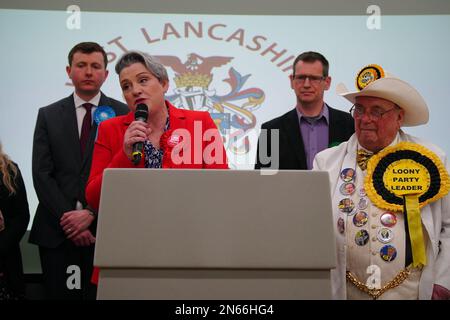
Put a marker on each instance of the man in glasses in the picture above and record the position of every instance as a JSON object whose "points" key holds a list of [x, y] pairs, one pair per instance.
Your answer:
{"points": [[311, 126], [401, 188]]}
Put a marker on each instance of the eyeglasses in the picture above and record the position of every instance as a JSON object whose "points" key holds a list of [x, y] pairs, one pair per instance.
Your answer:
{"points": [[301, 78], [375, 114]]}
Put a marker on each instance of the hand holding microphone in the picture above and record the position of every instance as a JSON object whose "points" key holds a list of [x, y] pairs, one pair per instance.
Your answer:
{"points": [[136, 134]]}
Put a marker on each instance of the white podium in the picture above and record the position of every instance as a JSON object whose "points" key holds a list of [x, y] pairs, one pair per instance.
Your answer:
{"points": [[214, 234]]}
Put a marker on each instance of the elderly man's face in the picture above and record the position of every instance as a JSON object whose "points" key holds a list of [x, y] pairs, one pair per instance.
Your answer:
{"points": [[372, 134]]}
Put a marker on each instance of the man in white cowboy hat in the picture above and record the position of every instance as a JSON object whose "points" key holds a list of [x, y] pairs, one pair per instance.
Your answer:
{"points": [[377, 249]]}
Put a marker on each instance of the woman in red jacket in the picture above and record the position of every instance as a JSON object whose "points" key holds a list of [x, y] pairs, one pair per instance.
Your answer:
{"points": [[172, 137]]}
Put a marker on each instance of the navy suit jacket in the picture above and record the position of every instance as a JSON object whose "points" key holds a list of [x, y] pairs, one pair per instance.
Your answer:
{"points": [[60, 172]]}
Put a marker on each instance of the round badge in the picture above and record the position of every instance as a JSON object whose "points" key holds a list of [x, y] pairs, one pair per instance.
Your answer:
{"points": [[348, 175], [388, 219], [368, 75], [385, 235], [341, 225], [363, 203], [388, 253], [103, 113], [347, 188], [362, 237], [362, 192], [174, 140], [347, 206], [360, 218], [406, 170]]}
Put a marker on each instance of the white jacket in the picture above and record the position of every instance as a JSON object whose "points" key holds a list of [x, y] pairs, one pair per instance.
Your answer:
{"points": [[435, 218]]}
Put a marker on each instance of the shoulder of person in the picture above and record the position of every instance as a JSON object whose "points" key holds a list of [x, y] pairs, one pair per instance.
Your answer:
{"points": [[10, 169], [119, 107], [112, 122], [57, 104], [15, 164], [277, 123], [331, 154], [194, 114]]}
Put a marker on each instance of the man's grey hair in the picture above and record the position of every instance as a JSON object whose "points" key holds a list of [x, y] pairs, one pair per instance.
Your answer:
{"points": [[152, 65]]}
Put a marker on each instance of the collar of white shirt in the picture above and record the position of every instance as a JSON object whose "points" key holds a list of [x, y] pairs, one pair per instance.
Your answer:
{"points": [[79, 102]]}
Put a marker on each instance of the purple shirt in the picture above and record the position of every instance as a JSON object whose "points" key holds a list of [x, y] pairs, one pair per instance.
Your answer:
{"points": [[314, 133]]}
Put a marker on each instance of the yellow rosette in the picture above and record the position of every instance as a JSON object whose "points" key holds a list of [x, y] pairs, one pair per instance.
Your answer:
{"points": [[404, 178], [368, 74]]}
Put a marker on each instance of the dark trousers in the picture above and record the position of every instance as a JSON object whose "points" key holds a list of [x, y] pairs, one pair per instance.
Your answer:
{"points": [[60, 266]]}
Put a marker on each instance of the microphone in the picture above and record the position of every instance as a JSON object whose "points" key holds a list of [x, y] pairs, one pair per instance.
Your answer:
{"points": [[141, 114]]}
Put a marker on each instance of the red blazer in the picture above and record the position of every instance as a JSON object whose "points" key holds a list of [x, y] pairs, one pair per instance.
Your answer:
{"points": [[108, 149], [188, 125]]}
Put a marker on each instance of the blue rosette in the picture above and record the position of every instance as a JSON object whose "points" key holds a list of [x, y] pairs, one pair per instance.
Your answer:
{"points": [[103, 113]]}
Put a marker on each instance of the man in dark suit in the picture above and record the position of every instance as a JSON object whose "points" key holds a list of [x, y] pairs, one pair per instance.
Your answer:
{"points": [[64, 227], [292, 140]]}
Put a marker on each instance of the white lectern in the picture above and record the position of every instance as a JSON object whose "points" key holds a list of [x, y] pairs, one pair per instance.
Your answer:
{"points": [[214, 234]]}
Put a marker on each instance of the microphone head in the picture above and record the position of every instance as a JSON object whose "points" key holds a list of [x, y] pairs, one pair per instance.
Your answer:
{"points": [[141, 112]]}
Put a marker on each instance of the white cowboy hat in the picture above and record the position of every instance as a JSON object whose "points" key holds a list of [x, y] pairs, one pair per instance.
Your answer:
{"points": [[397, 91]]}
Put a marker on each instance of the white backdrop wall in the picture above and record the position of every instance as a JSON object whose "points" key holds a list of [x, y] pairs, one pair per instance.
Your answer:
{"points": [[257, 53]]}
